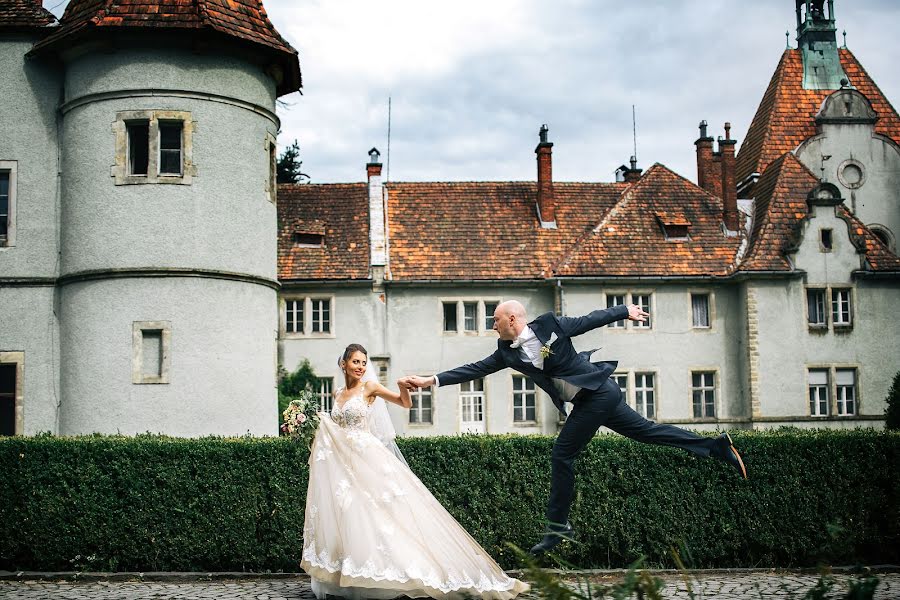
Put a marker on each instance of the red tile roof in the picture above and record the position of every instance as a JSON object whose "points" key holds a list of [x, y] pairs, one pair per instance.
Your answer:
{"points": [[244, 20], [24, 14], [780, 209], [341, 213], [786, 114], [630, 241]]}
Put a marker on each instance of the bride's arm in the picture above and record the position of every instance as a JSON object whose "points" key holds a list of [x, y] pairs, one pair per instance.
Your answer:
{"points": [[376, 389]]}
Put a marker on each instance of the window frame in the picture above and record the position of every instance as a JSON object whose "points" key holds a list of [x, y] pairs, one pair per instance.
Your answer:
{"points": [[842, 324], [825, 308], [121, 170], [629, 298], [10, 168], [826, 387], [473, 395], [709, 309], [137, 351], [417, 408], [838, 403], [307, 300], [521, 396], [705, 388], [641, 389], [481, 325], [17, 359], [325, 393]]}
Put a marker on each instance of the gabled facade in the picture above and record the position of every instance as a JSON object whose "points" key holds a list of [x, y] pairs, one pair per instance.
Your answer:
{"points": [[138, 288], [769, 283]]}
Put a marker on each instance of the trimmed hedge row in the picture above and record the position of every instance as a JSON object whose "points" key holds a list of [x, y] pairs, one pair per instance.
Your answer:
{"points": [[153, 503]]}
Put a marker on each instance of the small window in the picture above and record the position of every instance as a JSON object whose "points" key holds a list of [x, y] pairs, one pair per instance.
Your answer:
{"points": [[309, 240], [7, 399], [643, 301], [818, 392], [841, 315], [170, 141], [420, 412], [700, 310], [524, 404], [846, 391], [450, 317], [138, 147], [4, 207], [151, 342], [293, 316], [644, 395], [470, 316], [321, 315], [615, 300], [489, 308], [621, 380], [325, 392], [703, 390], [825, 240], [815, 308], [150, 351]]}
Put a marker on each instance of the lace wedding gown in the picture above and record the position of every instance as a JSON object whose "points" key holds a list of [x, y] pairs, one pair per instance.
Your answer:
{"points": [[373, 530]]}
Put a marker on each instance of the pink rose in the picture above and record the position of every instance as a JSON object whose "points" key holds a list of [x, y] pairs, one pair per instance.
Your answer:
{"points": [[302, 418]]}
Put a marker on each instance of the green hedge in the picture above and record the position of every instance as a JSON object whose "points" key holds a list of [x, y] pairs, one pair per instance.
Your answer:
{"points": [[161, 504]]}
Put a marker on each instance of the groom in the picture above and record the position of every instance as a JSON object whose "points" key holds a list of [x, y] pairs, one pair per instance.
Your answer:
{"points": [[542, 349]]}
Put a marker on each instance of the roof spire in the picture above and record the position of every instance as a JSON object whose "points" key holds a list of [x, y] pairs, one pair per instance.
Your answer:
{"points": [[817, 40]]}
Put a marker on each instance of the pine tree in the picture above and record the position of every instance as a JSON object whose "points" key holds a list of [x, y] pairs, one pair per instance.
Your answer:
{"points": [[289, 165]]}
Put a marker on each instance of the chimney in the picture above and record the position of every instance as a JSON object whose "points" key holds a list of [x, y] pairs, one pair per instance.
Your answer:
{"points": [[377, 237], [729, 185], [708, 170], [633, 174], [546, 205]]}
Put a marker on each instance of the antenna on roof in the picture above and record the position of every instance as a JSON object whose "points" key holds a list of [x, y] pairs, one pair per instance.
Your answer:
{"points": [[387, 176], [787, 40], [634, 131]]}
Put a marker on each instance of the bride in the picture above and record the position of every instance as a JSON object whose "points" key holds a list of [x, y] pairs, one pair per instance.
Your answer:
{"points": [[372, 529]]}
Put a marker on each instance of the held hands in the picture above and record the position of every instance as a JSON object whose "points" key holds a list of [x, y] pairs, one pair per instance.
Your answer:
{"points": [[414, 382], [636, 313]]}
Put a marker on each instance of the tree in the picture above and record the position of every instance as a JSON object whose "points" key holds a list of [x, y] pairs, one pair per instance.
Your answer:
{"points": [[892, 410], [289, 165], [291, 384]]}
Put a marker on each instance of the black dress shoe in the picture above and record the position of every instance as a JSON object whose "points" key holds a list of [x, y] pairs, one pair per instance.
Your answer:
{"points": [[553, 539], [729, 454]]}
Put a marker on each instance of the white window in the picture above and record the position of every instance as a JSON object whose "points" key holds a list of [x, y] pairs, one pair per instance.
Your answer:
{"points": [[153, 146], [643, 301], [818, 392], [703, 390], [471, 399], [321, 315], [308, 316], [524, 404], [450, 317], [150, 351], [325, 393], [616, 300], [7, 203], [846, 391], [644, 395], [841, 315], [470, 316], [293, 317], [420, 412], [621, 380], [489, 308], [700, 310], [815, 308]]}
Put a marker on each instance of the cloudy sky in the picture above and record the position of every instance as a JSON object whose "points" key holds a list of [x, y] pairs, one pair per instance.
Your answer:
{"points": [[472, 81]]}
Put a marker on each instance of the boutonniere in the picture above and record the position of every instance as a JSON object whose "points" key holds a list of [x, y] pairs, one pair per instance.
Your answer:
{"points": [[545, 349]]}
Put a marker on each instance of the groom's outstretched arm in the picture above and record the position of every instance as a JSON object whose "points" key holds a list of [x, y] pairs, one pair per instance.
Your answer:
{"points": [[573, 326], [491, 364]]}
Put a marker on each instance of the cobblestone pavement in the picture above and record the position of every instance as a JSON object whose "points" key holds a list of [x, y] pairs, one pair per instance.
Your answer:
{"points": [[707, 585]]}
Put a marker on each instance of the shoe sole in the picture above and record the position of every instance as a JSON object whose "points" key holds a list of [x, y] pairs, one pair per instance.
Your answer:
{"points": [[738, 456]]}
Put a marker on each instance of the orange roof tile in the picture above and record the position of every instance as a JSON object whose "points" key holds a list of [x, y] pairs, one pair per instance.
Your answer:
{"points": [[245, 20], [24, 14], [786, 115], [629, 239], [341, 213]]}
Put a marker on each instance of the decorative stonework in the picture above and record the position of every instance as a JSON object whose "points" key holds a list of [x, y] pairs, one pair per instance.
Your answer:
{"points": [[120, 129], [753, 352]]}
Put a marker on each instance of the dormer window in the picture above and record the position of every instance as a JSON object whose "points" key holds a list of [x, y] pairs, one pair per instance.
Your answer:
{"points": [[309, 240], [674, 226]]}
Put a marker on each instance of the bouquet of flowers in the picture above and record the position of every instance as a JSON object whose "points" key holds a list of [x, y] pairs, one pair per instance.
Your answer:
{"points": [[301, 418]]}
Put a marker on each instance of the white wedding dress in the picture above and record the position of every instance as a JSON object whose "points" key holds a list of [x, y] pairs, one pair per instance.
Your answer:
{"points": [[373, 530]]}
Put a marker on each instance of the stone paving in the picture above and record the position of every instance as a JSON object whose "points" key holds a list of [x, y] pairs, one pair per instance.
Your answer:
{"points": [[722, 585]]}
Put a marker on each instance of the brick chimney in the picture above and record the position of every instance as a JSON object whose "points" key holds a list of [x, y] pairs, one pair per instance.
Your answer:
{"points": [[709, 171], [377, 237], [633, 174], [546, 204], [728, 183]]}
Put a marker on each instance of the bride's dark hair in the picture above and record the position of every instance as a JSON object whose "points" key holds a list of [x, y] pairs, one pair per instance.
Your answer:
{"points": [[349, 350]]}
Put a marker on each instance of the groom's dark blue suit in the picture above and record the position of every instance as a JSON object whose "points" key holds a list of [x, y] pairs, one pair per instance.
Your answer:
{"points": [[598, 403]]}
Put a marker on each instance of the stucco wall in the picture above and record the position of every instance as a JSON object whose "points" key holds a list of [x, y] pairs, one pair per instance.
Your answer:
{"points": [[222, 357]]}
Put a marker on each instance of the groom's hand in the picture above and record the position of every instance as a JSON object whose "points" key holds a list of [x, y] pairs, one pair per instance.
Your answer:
{"points": [[414, 382], [636, 313]]}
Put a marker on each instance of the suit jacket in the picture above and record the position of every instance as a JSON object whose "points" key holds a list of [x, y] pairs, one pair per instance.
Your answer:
{"points": [[563, 362]]}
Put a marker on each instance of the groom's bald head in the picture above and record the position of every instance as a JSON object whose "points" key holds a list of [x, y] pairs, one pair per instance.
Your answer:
{"points": [[510, 319]]}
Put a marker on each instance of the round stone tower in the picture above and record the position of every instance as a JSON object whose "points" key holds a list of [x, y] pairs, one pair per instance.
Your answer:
{"points": [[167, 281]]}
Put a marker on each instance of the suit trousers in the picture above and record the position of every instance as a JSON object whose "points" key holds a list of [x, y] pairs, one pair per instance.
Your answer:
{"points": [[591, 410]]}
